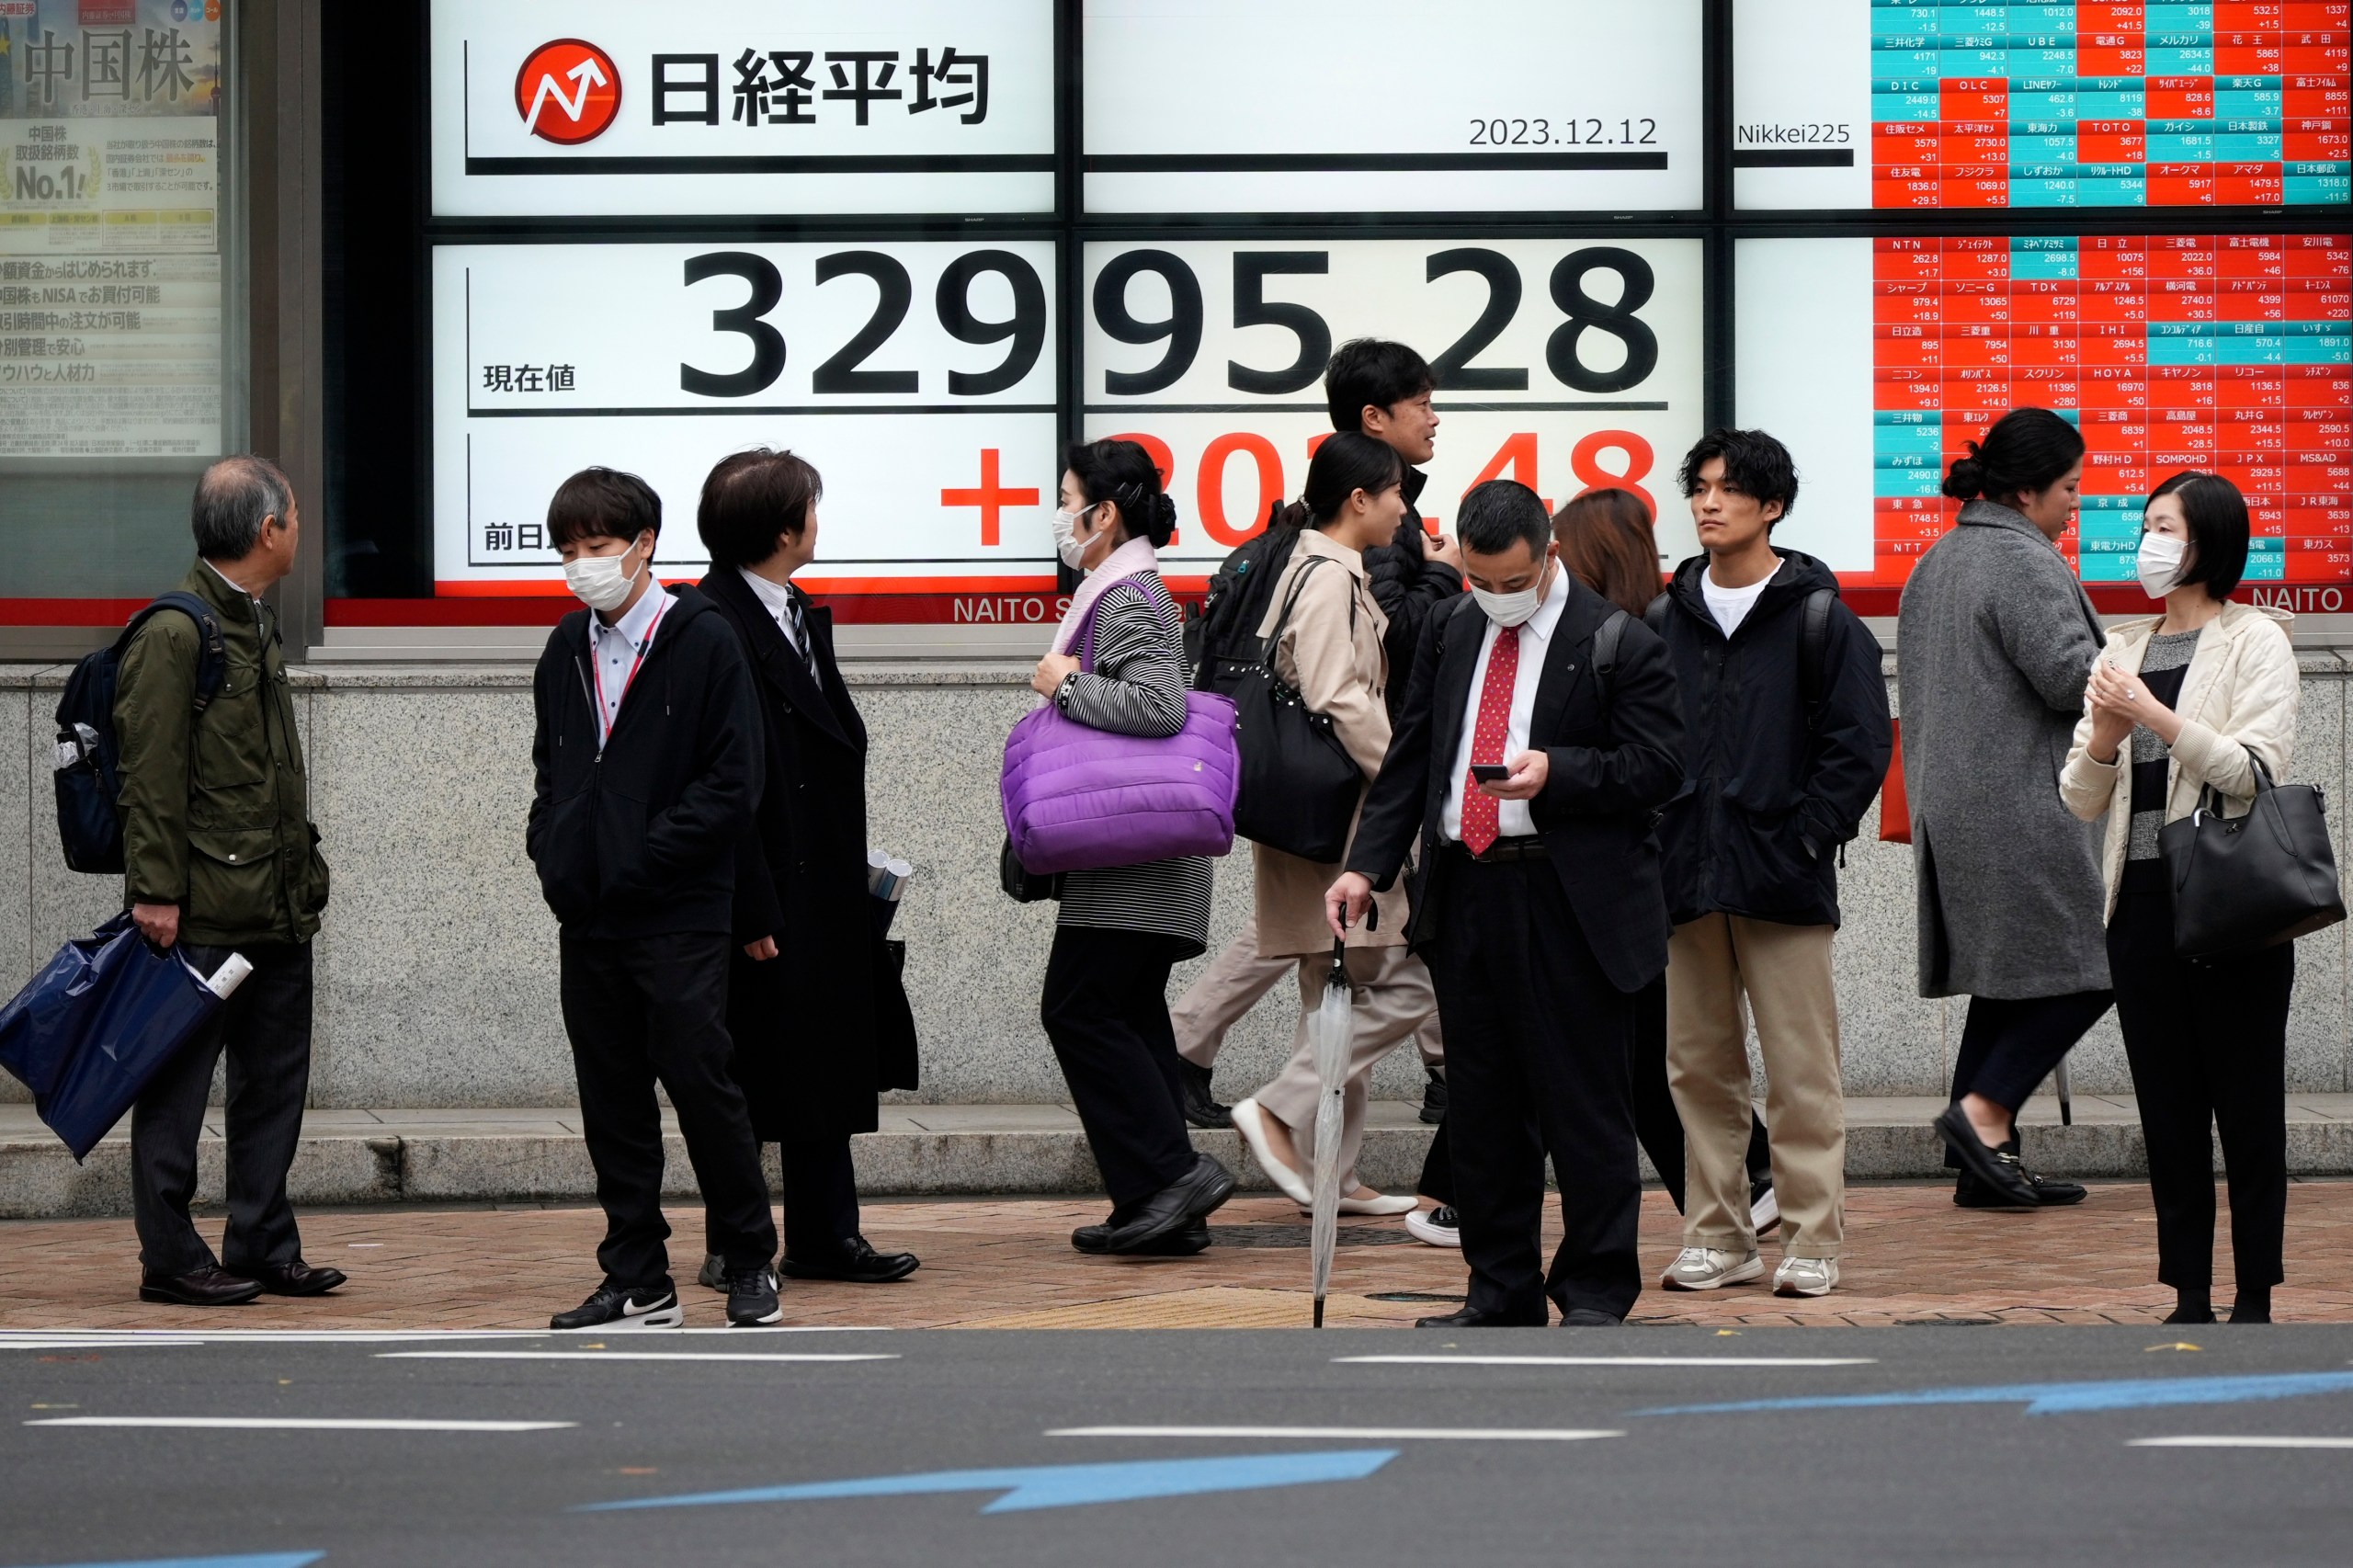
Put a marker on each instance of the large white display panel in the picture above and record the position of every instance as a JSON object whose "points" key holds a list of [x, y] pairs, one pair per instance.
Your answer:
{"points": [[1337, 105], [917, 375], [580, 107], [1802, 335], [1563, 364]]}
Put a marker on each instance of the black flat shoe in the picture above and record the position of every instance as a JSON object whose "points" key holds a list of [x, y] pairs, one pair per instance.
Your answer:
{"points": [[297, 1279], [1467, 1318], [1590, 1317], [1183, 1242], [1996, 1169], [210, 1286], [1202, 1108], [855, 1264], [2049, 1192], [1190, 1198]]}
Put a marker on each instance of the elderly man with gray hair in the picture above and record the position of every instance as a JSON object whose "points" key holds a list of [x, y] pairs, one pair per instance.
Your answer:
{"points": [[219, 857]]}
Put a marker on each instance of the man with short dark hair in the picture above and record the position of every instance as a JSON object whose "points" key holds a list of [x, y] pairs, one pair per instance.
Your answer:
{"points": [[220, 857], [1537, 907], [1786, 739], [647, 763]]}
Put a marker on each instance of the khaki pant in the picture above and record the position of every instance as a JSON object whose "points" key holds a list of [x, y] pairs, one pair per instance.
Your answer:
{"points": [[1238, 980], [1717, 968], [1392, 999]]}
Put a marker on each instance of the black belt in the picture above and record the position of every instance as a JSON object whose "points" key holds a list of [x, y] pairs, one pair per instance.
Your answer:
{"points": [[1503, 849]]}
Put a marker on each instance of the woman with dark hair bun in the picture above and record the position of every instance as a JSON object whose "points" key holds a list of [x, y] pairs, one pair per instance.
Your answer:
{"points": [[1122, 929], [1993, 642]]}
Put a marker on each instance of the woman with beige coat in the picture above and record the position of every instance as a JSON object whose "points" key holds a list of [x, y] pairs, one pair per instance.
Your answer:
{"points": [[2178, 705], [1327, 632]]}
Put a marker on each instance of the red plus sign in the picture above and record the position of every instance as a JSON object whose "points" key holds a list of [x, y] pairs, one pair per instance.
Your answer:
{"points": [[989, 497]]}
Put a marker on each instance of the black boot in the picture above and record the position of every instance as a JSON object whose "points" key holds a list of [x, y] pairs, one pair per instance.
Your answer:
{"points": [[1200, 1106]]}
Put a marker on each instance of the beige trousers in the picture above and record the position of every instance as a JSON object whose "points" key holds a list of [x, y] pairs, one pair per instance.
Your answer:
{"points": [[1392, 999], [1717, 968], [1238, 980]]}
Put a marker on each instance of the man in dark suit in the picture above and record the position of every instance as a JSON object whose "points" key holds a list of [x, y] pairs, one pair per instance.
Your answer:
{"points": [[1531, 783], [815, 1006]]}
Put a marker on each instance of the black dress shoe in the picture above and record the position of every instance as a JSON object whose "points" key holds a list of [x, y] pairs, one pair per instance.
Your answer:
{"points": [[1190, 1198], [1200, 1106], [855, 1264], [1996, 1169], [1434, 1097], [298, 1278], [1590, 1317], [2049, 1192], [1467, 1318], [210, 1286], [1183, 1242]]}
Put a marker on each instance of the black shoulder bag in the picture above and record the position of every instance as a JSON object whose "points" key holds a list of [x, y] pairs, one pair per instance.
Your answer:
{"points": [[1300, 786], [2241, 883]]}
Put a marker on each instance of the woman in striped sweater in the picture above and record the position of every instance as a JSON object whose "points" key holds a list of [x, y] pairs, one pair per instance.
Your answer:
{"points": [[1122, 929]]}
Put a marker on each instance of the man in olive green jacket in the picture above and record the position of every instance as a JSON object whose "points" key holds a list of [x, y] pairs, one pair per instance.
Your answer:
{"points": [[220, 856]]}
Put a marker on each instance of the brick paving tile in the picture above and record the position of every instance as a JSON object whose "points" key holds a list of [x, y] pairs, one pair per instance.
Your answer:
{"points": [[1911, 1257]]}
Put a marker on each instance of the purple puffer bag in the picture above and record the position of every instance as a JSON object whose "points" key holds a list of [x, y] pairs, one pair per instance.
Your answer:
{"points": [[1078, 799]]}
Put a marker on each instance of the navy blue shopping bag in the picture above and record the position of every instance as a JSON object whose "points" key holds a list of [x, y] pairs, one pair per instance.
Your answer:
{"points": [[95, 1026]]}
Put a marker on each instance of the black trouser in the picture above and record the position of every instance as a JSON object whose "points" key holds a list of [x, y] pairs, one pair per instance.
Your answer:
{"points": [[649, 1009], [2010, 1044], [1105, 1010], [820, 1190], [1657, 1125], [1538, 1044], [265, 1029], [2207, 1040]]}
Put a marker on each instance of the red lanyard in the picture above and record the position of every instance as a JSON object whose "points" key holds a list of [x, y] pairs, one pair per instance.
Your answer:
{"points": [[606, 721]]}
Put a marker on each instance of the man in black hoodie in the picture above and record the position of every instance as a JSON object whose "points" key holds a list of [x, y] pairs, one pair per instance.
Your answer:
{"points": [[1787, 738], [647, 763]]}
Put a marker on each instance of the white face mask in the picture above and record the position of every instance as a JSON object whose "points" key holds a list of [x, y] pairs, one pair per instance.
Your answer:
{"points": [[1068, 546], [2160, 564], [1508, 610], [599, 581]]}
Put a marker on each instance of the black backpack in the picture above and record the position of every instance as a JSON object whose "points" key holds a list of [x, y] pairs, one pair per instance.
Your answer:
{"points": [[88, 825], [1221, 644]]}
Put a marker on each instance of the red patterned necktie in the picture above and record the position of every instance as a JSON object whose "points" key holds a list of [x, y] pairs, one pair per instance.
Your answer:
{"points": [[1481, 813]]}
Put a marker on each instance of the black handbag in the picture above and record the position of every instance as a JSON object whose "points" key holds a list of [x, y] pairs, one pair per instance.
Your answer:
{"points": [[1300, 786], [1021, 884], [2241, 883]]}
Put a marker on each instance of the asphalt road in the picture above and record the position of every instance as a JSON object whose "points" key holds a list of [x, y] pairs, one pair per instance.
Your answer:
{"points": [[1952, 1445]]}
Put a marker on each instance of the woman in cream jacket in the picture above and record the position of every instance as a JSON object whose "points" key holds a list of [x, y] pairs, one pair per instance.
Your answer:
{"points": [[2176, 704], [1329, 645]]}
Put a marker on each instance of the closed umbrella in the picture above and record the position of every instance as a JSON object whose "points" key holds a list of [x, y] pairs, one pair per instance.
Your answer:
{"points": [[1329, 1035]]}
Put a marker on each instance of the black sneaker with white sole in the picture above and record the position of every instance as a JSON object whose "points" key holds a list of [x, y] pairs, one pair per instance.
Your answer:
{"points": [[651, 1306], [751, 1299]]}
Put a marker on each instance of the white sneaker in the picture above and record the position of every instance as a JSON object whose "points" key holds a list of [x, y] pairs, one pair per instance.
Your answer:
{"points": [[1806, 1277], [1705, 1268], [1436, 1227]]}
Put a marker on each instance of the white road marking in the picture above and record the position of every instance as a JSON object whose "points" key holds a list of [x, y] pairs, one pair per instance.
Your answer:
{"points": [[2241, 1443], [1608, 1361], [88, 1344], [132, 1338], [299, 1423], [1431, 1434], [587, 1356]]}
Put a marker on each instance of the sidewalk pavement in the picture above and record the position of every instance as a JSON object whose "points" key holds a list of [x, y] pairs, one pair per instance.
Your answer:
{"points": [[1911, 1257], [375, 1157]]}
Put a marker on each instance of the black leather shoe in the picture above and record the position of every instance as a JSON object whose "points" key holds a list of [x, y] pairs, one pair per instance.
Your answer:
{"points": [[298, 1278], [1434, 1097], [855, 1264], [1200, 1106], [1183, 1242], [210, 1286], [1192, 1196], [1590, 1317], [1467, 1318], [2049, 1192], [1996, 1169]]}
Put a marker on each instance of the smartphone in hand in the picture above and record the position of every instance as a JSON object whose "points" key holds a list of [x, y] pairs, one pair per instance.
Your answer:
{"points": [[1490, 772]]}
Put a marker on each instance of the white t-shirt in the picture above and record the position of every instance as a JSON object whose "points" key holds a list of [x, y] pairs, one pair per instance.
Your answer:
{"points": [[1730, 606]]}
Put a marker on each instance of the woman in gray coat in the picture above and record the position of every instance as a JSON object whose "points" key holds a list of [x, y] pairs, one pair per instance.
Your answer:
{"points": [[1995, 642]]}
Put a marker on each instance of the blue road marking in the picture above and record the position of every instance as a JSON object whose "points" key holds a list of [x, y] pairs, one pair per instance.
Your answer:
{"points": [[1062, 1486], [2054, 1399], [249, 1560]]}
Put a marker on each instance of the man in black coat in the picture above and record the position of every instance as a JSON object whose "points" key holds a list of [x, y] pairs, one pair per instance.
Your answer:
{"points": [[646, 762], [1786, 740], [1539, 907], [819, 1018]]}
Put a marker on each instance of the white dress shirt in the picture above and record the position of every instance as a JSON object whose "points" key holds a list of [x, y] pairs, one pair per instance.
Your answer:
{"points": [[1514, 819], [615, 650], [777, 600]]}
